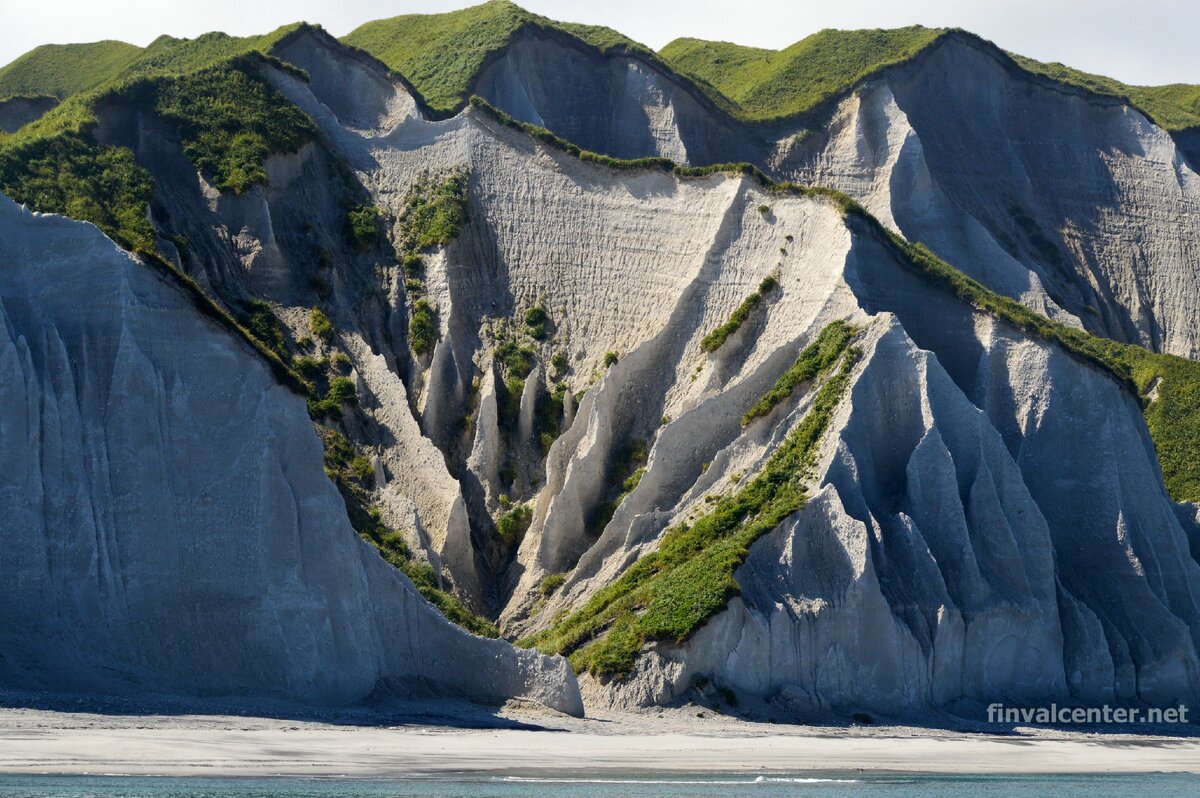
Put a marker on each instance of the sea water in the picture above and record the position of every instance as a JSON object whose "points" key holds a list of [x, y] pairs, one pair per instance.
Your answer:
{"points": [[773, 785]]}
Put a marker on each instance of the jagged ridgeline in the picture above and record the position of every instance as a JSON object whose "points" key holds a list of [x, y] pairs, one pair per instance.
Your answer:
{"points": [[658, 375]]}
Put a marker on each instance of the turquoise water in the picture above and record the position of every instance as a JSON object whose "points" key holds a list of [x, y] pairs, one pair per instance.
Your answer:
{"points": [[614, 786]]}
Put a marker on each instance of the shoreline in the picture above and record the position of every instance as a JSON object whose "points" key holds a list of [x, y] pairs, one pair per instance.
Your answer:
{"points": [[38, 741]]}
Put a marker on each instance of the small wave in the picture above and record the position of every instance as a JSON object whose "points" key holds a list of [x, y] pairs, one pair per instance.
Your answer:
{"points": [[672, 782]]}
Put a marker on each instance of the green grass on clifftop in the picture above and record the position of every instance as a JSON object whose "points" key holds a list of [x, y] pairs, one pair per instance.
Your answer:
{"points": [[73, 176], [1172, 107], [442, 54], [60, 70], [768, 84], [64, 70], [230, 120]]}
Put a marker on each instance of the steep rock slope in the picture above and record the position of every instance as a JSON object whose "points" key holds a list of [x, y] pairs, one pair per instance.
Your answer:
{"points": [[619, 104], [1043, 192], [1074, 209], [949, 553], [167, 524]]}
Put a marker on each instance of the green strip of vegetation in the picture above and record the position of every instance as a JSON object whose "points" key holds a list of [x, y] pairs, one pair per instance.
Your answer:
{"points": [[1172, 107], [624, 471], [716, 339], [266, 327], [545, 136], [668, 594], [816, 358], [1167, 386], [351, 472], [211, 308]]}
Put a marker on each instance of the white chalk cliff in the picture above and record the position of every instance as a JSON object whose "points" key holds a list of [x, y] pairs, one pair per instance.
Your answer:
{"points": [[1076, 204], [987, 518]]}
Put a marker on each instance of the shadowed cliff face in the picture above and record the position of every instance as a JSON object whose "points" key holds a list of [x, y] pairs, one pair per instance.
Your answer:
{"points": [[18, 111], [986, 518], [167, 524], [615, 104], [1052, 196]]}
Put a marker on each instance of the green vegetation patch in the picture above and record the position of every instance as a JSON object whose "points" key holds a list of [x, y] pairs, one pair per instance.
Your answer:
{"points": [[768, 84], [668, 594], [422, 327], [364, 225], [813, 361], [266, 327], [715, 339], [512, 525], [516, 359], [71, 175], [443, 54], [230, 120], [320, 325], [551, 583], [60, 70], [772, 84], [536, 319], [435, 210]]}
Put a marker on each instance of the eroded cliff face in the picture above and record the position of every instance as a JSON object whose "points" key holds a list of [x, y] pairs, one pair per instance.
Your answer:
{"points": [[167, 524], [950, 551], [618, 104], [1076, 205], [986, 519], [1055, 197]]}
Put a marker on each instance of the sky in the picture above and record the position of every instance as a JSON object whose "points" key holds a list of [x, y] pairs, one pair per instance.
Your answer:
{"points": [[1145, 42]]}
